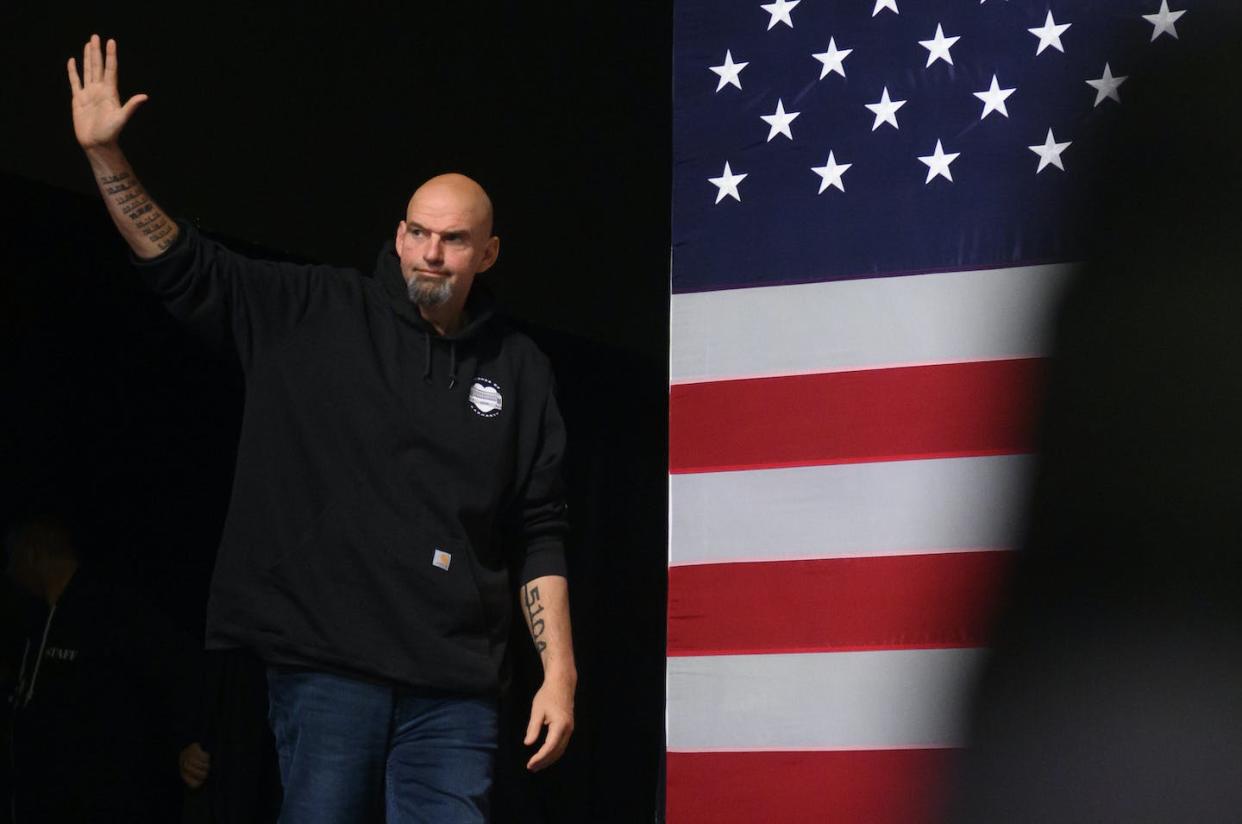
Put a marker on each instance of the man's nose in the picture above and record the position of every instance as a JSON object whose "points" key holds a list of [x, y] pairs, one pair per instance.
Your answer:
{"points": [[433, 250]]}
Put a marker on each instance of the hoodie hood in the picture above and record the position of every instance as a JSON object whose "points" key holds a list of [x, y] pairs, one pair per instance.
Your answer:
{"points": [[479, 310]]}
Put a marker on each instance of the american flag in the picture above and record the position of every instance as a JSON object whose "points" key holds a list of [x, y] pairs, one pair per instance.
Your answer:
{"points": [[875, 203]]}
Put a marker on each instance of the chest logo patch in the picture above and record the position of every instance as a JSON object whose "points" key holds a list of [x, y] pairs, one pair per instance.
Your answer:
{"points": [[485, 398], [441, 559]]}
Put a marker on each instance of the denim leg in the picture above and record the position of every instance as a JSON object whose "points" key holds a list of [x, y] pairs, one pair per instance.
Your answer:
{"points": [[332, 738], [440, 761]]}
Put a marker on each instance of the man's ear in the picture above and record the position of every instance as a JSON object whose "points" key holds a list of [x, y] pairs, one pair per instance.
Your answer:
{"points": [[400, 238], [490, 253]]}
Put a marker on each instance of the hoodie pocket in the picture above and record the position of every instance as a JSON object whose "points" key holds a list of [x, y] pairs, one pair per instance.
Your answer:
{"points": [[368, 571], [440, 572]]}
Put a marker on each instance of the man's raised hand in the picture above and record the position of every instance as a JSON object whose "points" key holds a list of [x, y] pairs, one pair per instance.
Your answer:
{"points": [[98, 118], [98, 115]]}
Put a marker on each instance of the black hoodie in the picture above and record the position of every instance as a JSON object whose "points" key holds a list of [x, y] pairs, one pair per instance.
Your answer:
{"points": [[388, 479]]}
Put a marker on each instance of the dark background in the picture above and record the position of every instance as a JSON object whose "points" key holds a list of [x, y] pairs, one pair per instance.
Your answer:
{"points": [[307, 131], [300, 135]]}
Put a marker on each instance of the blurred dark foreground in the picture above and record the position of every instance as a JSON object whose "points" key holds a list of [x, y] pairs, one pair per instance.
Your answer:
{"points": [[1114, 692]]}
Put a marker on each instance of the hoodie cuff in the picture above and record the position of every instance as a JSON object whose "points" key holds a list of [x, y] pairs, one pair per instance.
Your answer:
{"points": [[173, 257], [545, 557]]}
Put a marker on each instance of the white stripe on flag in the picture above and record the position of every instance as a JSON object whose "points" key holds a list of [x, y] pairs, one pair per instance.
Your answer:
{"points": [[839, 700], [846, 510], [863, 324]]}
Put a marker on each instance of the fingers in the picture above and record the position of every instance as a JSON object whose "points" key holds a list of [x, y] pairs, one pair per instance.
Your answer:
{"points": [[193, 780], [109, 68], [195, 770], [96, 59], [532, 727], [195, 767], [75, 82], [553, 747], [99, 68], [94, 70], [132, 105]]}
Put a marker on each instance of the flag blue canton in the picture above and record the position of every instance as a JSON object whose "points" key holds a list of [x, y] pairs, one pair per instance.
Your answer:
{"points": [[784, 222]]}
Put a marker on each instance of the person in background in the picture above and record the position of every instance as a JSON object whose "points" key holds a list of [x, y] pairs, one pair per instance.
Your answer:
{"points": [[100, 698]]}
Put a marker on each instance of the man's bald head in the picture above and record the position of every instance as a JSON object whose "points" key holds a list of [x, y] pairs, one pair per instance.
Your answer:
{"points": [[454, 193], [445, 240]]}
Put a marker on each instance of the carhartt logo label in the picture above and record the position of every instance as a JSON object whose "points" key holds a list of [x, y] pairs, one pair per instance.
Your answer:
{"points": [[485, 397], [441, 559]]}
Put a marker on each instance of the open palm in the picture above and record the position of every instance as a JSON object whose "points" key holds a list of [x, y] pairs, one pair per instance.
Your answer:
{"points": [[98, 115]]}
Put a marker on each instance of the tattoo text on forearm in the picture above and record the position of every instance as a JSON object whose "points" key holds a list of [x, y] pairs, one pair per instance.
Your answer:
{"points": [[534, 607], [132, 200]]}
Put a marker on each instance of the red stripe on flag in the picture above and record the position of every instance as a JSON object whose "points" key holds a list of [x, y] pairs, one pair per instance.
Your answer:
{"points": [[875, 786], [947, 410], [834, 605]]}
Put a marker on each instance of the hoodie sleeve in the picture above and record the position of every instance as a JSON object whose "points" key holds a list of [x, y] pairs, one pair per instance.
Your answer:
{"points": [[227, 298], [540, 520]]}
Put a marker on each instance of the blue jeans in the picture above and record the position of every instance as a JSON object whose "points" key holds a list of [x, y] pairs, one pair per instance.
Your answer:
{"points": [[353, 752]]}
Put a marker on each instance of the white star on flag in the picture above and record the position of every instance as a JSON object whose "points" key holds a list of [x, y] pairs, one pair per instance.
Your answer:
{"points": [[1164, 20], [779, 120], [780, 12], [938, 164], [1050, 152], [831, 173], [1049, 34], [833, 59], [1107, 86], [729, 72], [938, 47], [885, 110], [994, 99], [727, 184], [880, 5]]}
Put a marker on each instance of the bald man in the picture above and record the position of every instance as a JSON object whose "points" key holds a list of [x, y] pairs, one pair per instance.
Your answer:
{"points": [[397, 480]]}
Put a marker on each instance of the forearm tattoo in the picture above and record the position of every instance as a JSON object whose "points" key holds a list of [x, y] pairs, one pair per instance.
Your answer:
{"points": [[534, 607], [132, 200]]}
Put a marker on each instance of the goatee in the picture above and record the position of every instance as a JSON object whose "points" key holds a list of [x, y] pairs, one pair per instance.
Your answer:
{"points": [[429, 292]]}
